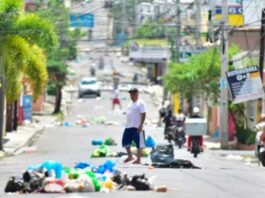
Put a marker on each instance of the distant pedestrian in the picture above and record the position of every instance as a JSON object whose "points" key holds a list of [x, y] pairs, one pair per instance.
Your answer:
{"points": [[90, 33], [136, 112], [116, 80], [116, 99]]}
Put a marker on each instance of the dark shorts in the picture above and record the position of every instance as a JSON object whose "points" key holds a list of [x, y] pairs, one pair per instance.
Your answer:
{"points": [[131, 134]]}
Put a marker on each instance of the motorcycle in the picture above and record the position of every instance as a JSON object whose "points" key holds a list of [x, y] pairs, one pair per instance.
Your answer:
{"points": [[260, 148], [176, 134], [179, 136], [195, 145]]}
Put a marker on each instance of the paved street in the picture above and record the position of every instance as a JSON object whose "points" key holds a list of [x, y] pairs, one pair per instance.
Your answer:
{"points": [[218, 177]]}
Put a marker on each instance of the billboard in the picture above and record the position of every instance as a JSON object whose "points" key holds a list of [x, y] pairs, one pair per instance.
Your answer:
{"points": [[27, 107], [235, 12], [245, 84], [82, 20]]}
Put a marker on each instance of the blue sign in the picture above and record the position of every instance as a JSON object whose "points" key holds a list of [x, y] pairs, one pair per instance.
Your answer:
{"points": [[82, 20], [27, 107], [231, 10]]}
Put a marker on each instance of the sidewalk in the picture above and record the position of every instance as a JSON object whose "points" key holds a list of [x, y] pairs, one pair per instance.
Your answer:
{"points": [[13, 141]]}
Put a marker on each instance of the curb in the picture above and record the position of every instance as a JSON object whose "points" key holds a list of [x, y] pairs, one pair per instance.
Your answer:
{"points": [[23, 143]]}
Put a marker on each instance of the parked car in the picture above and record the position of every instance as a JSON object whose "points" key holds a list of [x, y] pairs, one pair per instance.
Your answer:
{"points": [[88, 85]]}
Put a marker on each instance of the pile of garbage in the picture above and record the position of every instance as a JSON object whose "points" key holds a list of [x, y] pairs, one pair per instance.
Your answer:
{"points": [[53, 177]]}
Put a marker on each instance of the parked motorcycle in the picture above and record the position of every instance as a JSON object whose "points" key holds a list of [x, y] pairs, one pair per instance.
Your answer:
{"points": [[260, 147]]}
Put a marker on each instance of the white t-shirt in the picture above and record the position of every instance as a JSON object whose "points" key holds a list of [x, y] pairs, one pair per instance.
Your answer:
{"points": [[180, 117], [116, 93], [134, 111]]}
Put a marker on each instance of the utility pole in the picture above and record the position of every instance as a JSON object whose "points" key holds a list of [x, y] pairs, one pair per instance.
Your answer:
{"points": [[2, 99], [261, 56], [262, 43], [178, 31], [123, 26], [123, 18], [223, 113], [135, 15], [198, 22]]}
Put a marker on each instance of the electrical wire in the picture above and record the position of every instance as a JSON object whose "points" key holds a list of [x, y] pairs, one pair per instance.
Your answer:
{"points": [[251, 51]]}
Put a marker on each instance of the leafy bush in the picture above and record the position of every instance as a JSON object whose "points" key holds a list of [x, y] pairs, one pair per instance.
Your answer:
{"points": [[51, 89], [245, 135]]}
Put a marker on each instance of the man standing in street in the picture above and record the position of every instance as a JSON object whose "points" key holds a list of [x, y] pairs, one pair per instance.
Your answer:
{"points": [[136, 112]]}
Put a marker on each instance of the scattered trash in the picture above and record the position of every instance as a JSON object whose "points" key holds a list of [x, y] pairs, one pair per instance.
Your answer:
{"points": [[84, 177], [112, 123], [82, 165], [54, 168], [149, 142], [97, 142], [102, 151], [145, 152], [162, 188], [65, 123], [177, 163], [98, 120], [110, 142], [162, 153]]}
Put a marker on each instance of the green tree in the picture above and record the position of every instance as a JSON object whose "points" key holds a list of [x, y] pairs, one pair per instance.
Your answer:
{"points": [[200, 75], [21, 38], [58, 14], [150, 29]]}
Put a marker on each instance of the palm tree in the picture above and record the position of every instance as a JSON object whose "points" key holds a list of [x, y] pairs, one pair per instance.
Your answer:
{"points": [[23, 39]]}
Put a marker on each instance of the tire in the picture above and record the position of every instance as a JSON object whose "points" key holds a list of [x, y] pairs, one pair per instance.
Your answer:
{"points": [[179, 144], [262, 158], [195, 147], [99, 94]]}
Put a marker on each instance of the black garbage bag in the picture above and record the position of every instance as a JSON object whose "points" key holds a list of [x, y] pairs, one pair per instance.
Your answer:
{"points": [[34, 179], [177, 163], [140, 182], [15, 184], [162, 153]]}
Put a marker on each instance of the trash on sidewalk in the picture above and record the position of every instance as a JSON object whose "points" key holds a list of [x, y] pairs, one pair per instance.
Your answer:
{"points": [[29, 149]]}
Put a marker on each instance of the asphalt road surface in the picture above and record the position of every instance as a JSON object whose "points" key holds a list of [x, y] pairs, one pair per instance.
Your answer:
{"points": [[218, 177]]}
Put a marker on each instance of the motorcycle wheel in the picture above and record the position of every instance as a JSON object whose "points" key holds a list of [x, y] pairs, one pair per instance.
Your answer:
{"points": [[195, 147], [178, 143], [262, 158]]}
